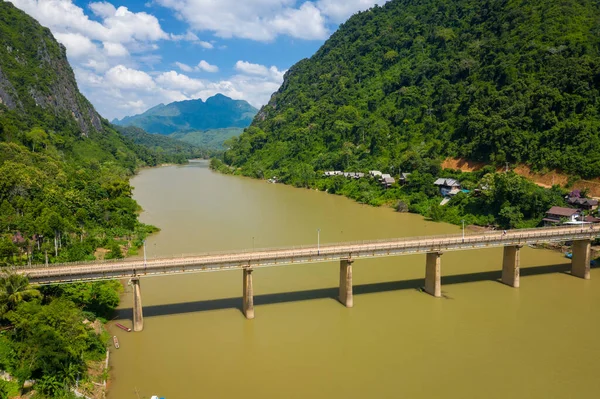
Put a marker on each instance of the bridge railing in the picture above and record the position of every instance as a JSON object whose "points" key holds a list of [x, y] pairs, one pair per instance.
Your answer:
{"points": [[484, 237]]}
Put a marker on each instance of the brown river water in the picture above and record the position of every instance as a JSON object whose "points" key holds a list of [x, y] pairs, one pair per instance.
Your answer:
{"points": [[483, 340]]}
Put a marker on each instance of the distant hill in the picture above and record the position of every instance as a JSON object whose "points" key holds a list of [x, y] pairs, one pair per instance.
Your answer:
{"points": [[216, 112], [176, 150], [416, 81], [209, 139]]}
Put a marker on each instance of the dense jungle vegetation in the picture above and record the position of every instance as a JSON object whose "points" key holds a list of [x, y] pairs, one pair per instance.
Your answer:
{"points": [[64, 193], [418, 80]]}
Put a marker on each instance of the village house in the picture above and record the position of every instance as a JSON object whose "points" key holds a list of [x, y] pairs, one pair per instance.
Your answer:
{"points": [[403, 178], [375, 173], [591, 219], [587, 204], [558, 214], [447, 186], [387, 181]]}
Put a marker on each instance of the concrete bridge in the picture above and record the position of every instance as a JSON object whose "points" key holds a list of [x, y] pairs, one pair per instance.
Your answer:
{"points": [[346, 253]]}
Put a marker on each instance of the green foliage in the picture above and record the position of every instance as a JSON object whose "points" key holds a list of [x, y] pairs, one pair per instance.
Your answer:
{"points": [[416, 80], [51, 341], [157, 149], [211, 139], [217, 112], [96, 299], [14, 289]]}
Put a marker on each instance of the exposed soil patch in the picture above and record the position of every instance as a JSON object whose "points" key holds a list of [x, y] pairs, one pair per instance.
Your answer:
{"points": [[541, 179]]}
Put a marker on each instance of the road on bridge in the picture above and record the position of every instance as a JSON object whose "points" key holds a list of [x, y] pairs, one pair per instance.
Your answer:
{"points": [[58, 273]]}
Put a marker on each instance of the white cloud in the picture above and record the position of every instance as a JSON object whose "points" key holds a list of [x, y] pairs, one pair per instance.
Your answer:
{"points": [[206, 67], [204, 44], [256, 69], [126, 78], [118, 25], [184, 67], [264, 20], [260, 20], [252, 69], [176, 81], [304, 23], [77, 45], [115, 49], [103, 9]]}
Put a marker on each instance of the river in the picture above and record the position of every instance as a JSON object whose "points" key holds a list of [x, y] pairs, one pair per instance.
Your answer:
{"points": [[483, 340]]}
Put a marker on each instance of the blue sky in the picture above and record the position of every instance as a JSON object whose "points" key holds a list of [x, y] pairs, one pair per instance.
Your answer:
{"points": [[129, 56]]}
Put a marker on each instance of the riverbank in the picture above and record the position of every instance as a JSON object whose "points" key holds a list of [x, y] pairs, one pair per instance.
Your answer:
{"points": [[488, 198]]}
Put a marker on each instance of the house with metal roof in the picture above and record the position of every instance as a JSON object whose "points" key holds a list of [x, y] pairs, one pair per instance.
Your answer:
{"points": [[447, 186], [560, 215], [583, 203]]}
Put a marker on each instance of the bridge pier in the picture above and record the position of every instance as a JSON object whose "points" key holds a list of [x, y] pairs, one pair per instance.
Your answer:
{"points": [[580, 262], [511, 264], [138, 316], [346, 297], [433, 274], [248, 298]]}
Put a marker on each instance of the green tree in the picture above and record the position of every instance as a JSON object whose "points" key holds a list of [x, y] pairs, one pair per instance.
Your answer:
{"points": [[14, 289], [36, 136]]}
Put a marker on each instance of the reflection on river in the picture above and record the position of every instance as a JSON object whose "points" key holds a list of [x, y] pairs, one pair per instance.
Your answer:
{"points": [[485, 340]]}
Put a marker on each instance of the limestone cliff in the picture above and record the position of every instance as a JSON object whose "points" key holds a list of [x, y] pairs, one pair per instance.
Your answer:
{"points": [[35, 73]]}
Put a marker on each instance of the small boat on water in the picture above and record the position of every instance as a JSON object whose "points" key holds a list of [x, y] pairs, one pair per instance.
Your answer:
{"points": [[122, 327], [116, 341]]}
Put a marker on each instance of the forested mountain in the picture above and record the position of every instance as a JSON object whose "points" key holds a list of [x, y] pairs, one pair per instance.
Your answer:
{"points": [[64, 193], [217, 112], [414, 81], [63, 169]]}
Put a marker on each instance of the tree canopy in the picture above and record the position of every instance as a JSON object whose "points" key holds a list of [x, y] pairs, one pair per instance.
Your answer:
{"points": [[494, 81]]}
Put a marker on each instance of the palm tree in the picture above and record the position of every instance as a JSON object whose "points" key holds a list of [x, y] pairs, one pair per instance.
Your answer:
{"points": [[14, 289]]}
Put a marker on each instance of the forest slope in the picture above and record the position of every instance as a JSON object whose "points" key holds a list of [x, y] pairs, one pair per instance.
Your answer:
{"points": [[415, 81]]}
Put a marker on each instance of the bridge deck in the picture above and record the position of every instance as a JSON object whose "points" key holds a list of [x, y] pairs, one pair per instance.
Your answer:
{"points": [[61, 273]]}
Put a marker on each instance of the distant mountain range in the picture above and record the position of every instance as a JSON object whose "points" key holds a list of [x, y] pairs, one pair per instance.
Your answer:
{"points": [[216, 112]]}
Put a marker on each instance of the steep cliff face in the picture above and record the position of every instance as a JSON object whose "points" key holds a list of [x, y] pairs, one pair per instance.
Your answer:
{"points": [[35, 73]]}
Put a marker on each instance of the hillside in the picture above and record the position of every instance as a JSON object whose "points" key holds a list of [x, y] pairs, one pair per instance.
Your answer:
{"points": [[64, 193], [410, 83], [163, 148], [217, 112], [211, 139], [64, 170]]}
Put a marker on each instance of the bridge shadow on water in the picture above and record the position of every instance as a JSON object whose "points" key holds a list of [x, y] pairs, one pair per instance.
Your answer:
{"points": [[331, 293]]}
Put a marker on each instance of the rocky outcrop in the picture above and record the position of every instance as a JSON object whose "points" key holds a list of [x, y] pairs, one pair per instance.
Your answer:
{"points": [[7, 93], [34, 71]]}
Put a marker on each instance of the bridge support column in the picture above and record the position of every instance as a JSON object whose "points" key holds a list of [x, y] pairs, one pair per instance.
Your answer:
{"points": [[580, 263], [138, 316], [511, 264], [433, 274], [248, 299], [345, 296]]}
